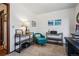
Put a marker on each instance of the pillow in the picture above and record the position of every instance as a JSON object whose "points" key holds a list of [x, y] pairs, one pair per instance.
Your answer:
{"points": [[53, 32], [37, 35]]}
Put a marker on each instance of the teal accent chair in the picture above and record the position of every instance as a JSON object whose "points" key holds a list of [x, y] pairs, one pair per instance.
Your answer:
{"points": [[40, 39]]}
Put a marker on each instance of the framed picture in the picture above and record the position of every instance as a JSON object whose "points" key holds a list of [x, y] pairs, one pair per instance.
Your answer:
{"points": [[50, 22], [57, 22], [33, 23]]}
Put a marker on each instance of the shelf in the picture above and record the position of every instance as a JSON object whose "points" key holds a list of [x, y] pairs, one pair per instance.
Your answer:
{"points": [[74, 34], [24, 41], [18, 50], [21, 48], [21, 42]]}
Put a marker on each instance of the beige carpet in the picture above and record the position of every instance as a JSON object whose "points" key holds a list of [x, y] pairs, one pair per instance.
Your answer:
{"points": [[37, 50]]}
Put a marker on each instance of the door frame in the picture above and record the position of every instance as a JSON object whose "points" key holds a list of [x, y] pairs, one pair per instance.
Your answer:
{"points": [[2, 27], [8, 26]]}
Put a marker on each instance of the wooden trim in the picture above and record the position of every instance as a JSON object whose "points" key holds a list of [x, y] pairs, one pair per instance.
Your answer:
{"points": [[2, 27], [8, 26]]}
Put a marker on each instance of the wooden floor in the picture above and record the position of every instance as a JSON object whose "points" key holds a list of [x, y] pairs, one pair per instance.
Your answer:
{"points": [[2, 51]]}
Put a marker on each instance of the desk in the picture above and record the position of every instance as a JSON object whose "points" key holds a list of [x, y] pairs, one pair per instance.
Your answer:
{"points": [[72, 46]]}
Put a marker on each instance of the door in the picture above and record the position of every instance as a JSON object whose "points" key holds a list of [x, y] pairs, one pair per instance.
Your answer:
{"points": [[1, 27], [4, 29]]}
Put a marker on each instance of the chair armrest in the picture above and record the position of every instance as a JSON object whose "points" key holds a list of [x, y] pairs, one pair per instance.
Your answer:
{"points": [[42, 36]]}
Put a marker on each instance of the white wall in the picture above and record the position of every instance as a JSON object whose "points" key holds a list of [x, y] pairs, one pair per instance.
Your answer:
{"points": [[18, 15], [73, 19], [76, 11], [65, 15]]}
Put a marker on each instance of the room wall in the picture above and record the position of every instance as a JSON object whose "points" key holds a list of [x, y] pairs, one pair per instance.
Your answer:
{"points": [[19, 15], [73, 21], [65, 15], [76, 12]]}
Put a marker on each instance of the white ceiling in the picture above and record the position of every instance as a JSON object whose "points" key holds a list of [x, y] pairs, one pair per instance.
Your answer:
{"points": [[40, 8]]}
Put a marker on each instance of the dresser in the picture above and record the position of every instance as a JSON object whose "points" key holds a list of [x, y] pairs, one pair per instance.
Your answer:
{"points": [[72, 46]]}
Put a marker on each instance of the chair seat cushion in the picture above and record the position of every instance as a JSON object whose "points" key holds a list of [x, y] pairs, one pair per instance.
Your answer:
{"points": [[37, 35], [40, 38], [54, 36]]}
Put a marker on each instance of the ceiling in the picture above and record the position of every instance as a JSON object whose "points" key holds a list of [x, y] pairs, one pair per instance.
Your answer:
{"points": [[40, 8]]}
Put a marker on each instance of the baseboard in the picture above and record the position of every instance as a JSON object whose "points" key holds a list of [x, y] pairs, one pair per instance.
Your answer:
{"points": [[56, 43]]}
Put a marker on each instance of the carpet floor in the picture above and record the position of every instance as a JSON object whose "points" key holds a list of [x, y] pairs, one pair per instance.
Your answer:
{"points": [[37, 50]]}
